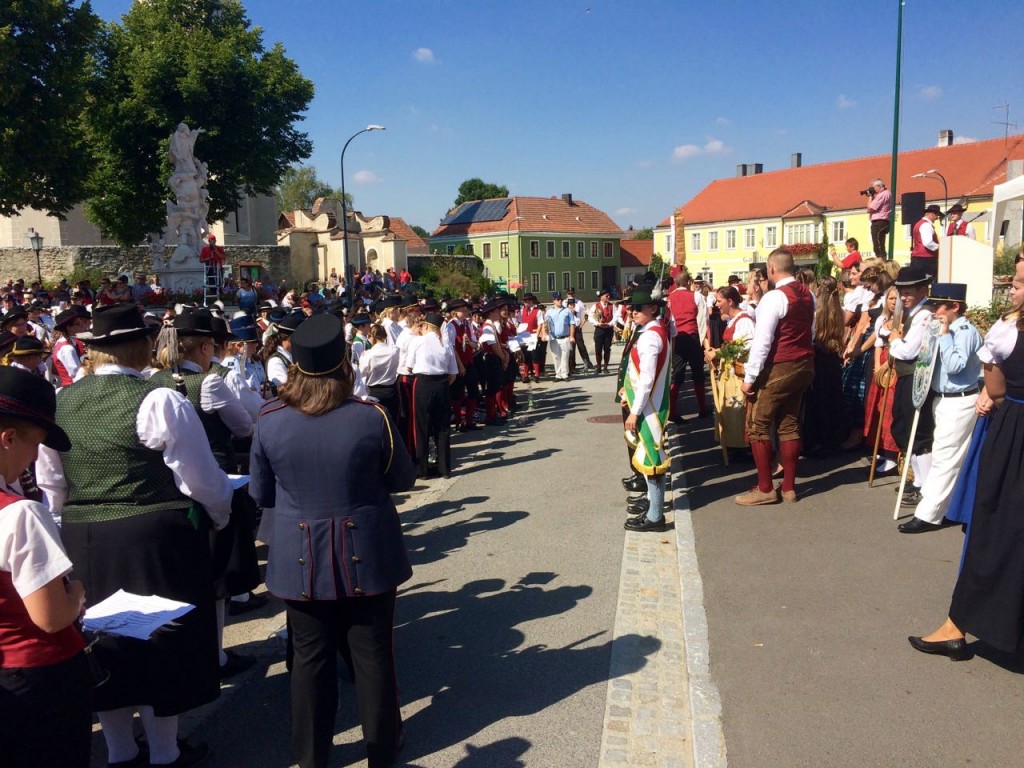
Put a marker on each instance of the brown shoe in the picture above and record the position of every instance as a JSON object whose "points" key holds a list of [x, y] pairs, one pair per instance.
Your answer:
{"points": [[789, 497], [756, 497]]}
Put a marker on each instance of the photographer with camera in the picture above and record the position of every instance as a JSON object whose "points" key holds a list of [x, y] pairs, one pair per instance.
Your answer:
{"points": [[879, 211]]}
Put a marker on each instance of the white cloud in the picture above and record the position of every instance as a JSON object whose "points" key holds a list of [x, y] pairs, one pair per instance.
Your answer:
{"points": [[365, 177], [714, 147], [844, 102], [930, 92], [424, 55], [964, 139], [625, 211], [723, 121]]}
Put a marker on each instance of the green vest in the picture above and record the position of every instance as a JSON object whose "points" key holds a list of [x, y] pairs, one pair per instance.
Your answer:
{"points": [[216, 431], [110, 474]]}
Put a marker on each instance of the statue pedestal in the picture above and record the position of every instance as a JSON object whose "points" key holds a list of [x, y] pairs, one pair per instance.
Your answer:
{"points": [[183, 280]]}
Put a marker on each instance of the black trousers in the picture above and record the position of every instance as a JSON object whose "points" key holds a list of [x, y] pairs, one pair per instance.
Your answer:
{"points": [[603, 336], [879, 233], [687, 353], [360, 629], [903, 418], [432, 408], [581, 345], [46, 715], [387, 396]]}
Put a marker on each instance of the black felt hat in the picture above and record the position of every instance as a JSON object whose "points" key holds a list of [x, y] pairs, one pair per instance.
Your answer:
{"points": [[7, 340], [244, 329], [456, 304], [290, 322], [361, 319], [115, 323], [69, 315], [13, 316], [25, 396], [195, 322], [28, 345], [435, 319], [934, 209], [221, 331], [912, 274], [318, 345]]}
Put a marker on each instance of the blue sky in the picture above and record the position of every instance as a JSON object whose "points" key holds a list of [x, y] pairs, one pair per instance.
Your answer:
{"points": [[632, 106]]}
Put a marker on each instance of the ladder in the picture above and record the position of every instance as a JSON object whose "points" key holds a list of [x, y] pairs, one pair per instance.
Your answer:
{"points": [[211, 282]]}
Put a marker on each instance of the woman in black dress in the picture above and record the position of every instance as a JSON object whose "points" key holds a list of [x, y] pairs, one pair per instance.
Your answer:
{"points": [[988, 600]]}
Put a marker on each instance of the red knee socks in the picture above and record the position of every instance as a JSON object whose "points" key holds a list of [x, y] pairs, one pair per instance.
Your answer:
{"points": [[789, 454], [702, 395], [762, 450]]}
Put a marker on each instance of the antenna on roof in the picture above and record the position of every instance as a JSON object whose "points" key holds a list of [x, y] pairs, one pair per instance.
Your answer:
{"points": [[1005, 122]]}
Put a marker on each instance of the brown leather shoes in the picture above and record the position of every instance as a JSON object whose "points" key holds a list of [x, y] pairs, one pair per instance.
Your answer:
{"points": [[756, 497], [789, 497]]}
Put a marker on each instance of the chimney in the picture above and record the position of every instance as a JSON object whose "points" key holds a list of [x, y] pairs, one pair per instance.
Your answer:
{"points": [[567, 199], [796, 160], [754, 168], [945, 139], [741, 170]]}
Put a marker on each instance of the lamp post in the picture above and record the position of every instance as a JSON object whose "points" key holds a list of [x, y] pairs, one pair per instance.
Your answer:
{"points": [[344, 208], [36, 241], [508, 245], [931, 175]]}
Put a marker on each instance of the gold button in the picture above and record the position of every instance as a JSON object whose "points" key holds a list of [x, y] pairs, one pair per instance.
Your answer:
{"points": [[301, 561], [350, 524], [305, 595], [358, 591], [356, 559], [302, 526]]}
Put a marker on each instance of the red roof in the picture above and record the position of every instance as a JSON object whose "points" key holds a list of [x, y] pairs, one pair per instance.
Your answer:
{"points": [[636, 253], [415, 243], [540, 214], [970, 169]]}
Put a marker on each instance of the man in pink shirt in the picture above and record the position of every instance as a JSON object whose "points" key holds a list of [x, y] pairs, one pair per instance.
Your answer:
{"points": [[879, 211]]}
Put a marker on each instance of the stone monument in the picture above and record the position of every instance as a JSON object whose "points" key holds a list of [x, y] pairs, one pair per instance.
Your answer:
{"points": [[176, 250]]}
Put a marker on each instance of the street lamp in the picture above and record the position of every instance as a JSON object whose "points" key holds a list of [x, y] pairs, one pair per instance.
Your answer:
{"points": [[508, 234], [344, 208], [931, 175], [37, 245]]}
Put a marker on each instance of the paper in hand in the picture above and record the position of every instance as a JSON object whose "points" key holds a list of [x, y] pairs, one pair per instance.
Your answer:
{"points": [[130, 615]]}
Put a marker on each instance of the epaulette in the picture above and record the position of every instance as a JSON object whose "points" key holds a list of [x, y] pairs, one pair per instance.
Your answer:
{"points": [[271, 405]]}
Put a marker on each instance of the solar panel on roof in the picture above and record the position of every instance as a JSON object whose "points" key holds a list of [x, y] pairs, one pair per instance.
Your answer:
{"points": [[479, 210]]}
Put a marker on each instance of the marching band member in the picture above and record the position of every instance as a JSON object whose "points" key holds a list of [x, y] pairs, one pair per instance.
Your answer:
{"points": [[434, 367], [602, 317], [68, 351]]}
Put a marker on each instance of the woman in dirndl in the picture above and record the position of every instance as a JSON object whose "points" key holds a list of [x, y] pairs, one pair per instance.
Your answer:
{"points": [[988, 599], [732, 406]]}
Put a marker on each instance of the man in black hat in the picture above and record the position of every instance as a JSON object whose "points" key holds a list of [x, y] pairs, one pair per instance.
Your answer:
{"points": [[955, 224], [68, 351], [924, 241], [955, 393], [602, 317], [905, 342]]}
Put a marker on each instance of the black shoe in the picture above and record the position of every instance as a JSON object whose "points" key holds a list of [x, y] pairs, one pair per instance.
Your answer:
{"points": [[634, 498], [911, 498], [641, 524], [191, 755], [956, 650], [254, 603], [704, 414], [634, 483], [677, 420], [470, 427], [638, 507], [141, 760], [917, 525], [236, 663]]}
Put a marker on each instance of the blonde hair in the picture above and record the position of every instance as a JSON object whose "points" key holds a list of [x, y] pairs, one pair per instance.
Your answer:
{"points": [[136, 354], [886, 313], [317, 395], [171, 349]]}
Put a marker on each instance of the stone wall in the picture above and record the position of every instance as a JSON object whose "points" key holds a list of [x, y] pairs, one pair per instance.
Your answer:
{"points": [[63, 261]]}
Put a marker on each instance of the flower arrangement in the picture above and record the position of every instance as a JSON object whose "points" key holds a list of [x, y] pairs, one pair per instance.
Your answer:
{"points": [[802, 249], [733, 355]]}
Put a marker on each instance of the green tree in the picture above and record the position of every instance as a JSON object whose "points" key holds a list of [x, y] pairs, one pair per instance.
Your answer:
{"points": [[45, 48], [421, 232], [644, 234], [300, 186], [197, 62], [477, 189]]}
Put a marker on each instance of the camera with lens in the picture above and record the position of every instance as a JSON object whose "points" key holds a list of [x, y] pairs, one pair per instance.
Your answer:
{"points": [[869, 192]]}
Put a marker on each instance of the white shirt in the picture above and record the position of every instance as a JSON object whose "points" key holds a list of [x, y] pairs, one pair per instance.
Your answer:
{"points": [[744, 329], [430, 356], [379, 365], [168, 423], [277, 371], [403, 352], [30, 545], [909, 347], [999, 342], [648, 347], [66, 353], [928, 237], [394, 329], [448, 333], [860, 297], [488, 336], [247, 388], [773, 306], [216, 397]]}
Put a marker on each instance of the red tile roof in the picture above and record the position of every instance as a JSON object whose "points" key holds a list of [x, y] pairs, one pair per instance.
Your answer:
{"points": [[636, 253], [540, 214], [970, 169], [414, 243]]}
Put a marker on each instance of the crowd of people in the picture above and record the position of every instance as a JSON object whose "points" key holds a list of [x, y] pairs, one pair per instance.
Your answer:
{"points": [[189, 398]]}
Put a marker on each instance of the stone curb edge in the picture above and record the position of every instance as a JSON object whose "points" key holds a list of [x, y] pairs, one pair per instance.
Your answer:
{"points": [[708, 738]]}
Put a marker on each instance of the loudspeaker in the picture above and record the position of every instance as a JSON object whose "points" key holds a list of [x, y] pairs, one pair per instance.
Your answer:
{"points": [[911, 207]]}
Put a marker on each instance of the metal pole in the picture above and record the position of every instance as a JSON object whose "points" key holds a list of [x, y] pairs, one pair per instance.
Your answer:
{"points": [[344, 211], [895, 130], [39, 269]]}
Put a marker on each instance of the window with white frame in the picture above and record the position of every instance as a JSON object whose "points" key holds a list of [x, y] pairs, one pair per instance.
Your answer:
{"points": [[593, 280], [503, 249], [566, 249], [713, 241], [550, 248], [730, 239], [580, 249], [749, 237], [609, 251], [801, 233], [695, 241], [487, 250], [566, 281], [771, 237], [593, 250], [581, 280], [839, 231], [534, 249], [535, 281], [551, 281]]}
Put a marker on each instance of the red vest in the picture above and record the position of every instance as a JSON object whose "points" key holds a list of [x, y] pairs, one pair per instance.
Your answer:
{"points": [[957, 228], [683, 305], [58, 367], [463, 341], [730, 330], [917, 248], [793, 340], [607, 311], [22, 643], [531, 317]]}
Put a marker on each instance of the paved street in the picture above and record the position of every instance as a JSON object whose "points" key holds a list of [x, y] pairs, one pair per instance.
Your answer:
{"points": [[536, 632]]}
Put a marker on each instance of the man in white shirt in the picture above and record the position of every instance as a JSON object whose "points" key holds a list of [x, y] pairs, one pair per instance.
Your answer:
{"points": [[579, 311], [955, 224]]}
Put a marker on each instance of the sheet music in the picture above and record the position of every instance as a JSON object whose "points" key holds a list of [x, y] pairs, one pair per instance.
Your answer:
{"points": [[131, 615]]}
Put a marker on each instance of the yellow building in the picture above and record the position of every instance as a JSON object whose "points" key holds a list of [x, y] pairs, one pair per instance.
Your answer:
{"points": [[735, 222]]}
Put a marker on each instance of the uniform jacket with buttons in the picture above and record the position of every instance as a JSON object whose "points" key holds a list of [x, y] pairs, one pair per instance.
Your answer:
{"points": [[329, 479]]}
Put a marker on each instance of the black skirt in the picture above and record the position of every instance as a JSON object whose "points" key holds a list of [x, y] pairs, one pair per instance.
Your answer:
{"points": [[158, 553], [236, 567], [988, 600]]}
